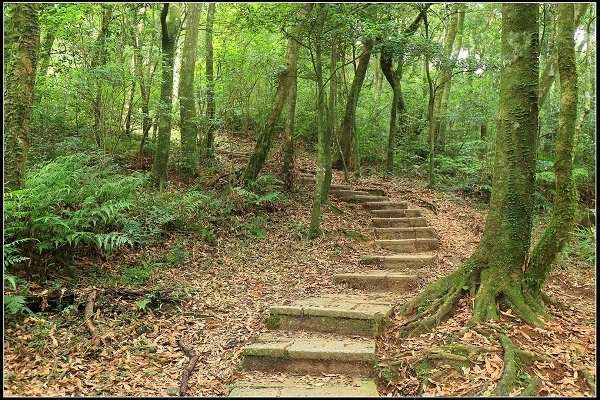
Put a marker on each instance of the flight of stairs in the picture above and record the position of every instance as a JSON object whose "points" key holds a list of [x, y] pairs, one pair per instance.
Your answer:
{"points": [[335, 334]]}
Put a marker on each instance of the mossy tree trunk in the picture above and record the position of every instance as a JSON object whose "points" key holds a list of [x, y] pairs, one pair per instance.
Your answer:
{"points": [[320, 184], [23, 41], [348, 129], [210, 82], [286, 77], [561, 222], [550, 70], [169, 28], [495, 271], [187, 102]]}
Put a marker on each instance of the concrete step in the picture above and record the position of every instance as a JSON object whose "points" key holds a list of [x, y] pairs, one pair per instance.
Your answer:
{"points": [[384, 205], [399, 222], [339, 187], [409, 245], [372, 190], [346, 193], [303, 353], [405, 233], [397, 213], [378, 280], [302, 387], [366, 198], [335, 313], [400, 261]]}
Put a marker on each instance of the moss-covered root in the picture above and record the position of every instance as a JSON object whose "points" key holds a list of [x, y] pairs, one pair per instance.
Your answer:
{"points": [[532, 388], [507, 381], [434, 303]]}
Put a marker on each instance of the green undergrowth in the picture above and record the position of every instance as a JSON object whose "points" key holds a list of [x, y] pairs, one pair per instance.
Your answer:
{"points": [[84, 205]]}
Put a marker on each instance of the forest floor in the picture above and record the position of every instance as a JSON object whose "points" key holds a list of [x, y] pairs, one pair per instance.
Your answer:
{"points": [[222, 292]]}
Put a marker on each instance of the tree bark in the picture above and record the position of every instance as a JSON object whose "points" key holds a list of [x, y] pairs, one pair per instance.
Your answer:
{"points": [[330, 131], [453, 45], [347, 130], [562, 220], [430, 111], [187, 102], [98, 60], [265, 140], [288, 137], [169, 30], [495, 271], [549, 73], [210, 82], [23, 40], [320, 184]]}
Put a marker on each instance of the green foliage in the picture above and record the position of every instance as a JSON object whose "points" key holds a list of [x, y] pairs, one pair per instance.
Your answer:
{"points": [[73, 200], [256, 227], [139, 274], [262, 192], [582, 246]]}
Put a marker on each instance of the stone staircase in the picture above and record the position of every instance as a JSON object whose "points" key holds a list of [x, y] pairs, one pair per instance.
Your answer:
{"points": [[335, 333]]}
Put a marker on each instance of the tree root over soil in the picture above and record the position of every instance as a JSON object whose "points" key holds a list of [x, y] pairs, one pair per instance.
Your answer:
{"points": [[435, 303], [87, 317], [187, 373]]}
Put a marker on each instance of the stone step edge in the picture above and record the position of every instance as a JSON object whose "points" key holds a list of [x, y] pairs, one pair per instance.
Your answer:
{"points": [[295, 387]]}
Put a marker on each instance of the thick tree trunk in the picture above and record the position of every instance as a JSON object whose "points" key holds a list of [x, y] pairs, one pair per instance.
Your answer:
{"points": [[210, 82], [348, 131], [589, 79], [187, 103], [23, 41], [495, 271], [265, 140], [165, 107], [558, 230], [320, 184]]}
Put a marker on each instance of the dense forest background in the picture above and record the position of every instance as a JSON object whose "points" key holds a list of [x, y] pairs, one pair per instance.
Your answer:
{"points": [[128, 122]]}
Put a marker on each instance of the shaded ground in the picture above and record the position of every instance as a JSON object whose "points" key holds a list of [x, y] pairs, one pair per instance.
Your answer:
{"points": [[223, 292]]}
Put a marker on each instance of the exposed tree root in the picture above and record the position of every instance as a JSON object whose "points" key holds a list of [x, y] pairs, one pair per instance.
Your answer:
{"points": [[191, 353], [88, 314], [510, 368], [531, 389]]}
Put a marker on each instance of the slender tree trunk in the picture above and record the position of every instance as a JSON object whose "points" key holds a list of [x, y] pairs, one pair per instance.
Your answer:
{"points": [[589, 79], [23, 41], [129, 109], [442, 87], [169, 30], [265, 140], [347, 131], [46, 50], [430, 112], [453, 46], [495, 271], [187, 103], [549, 73], [99, 60], [288, 137], [210, 82], [320, 184], [330, 131], [558, 230]]}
